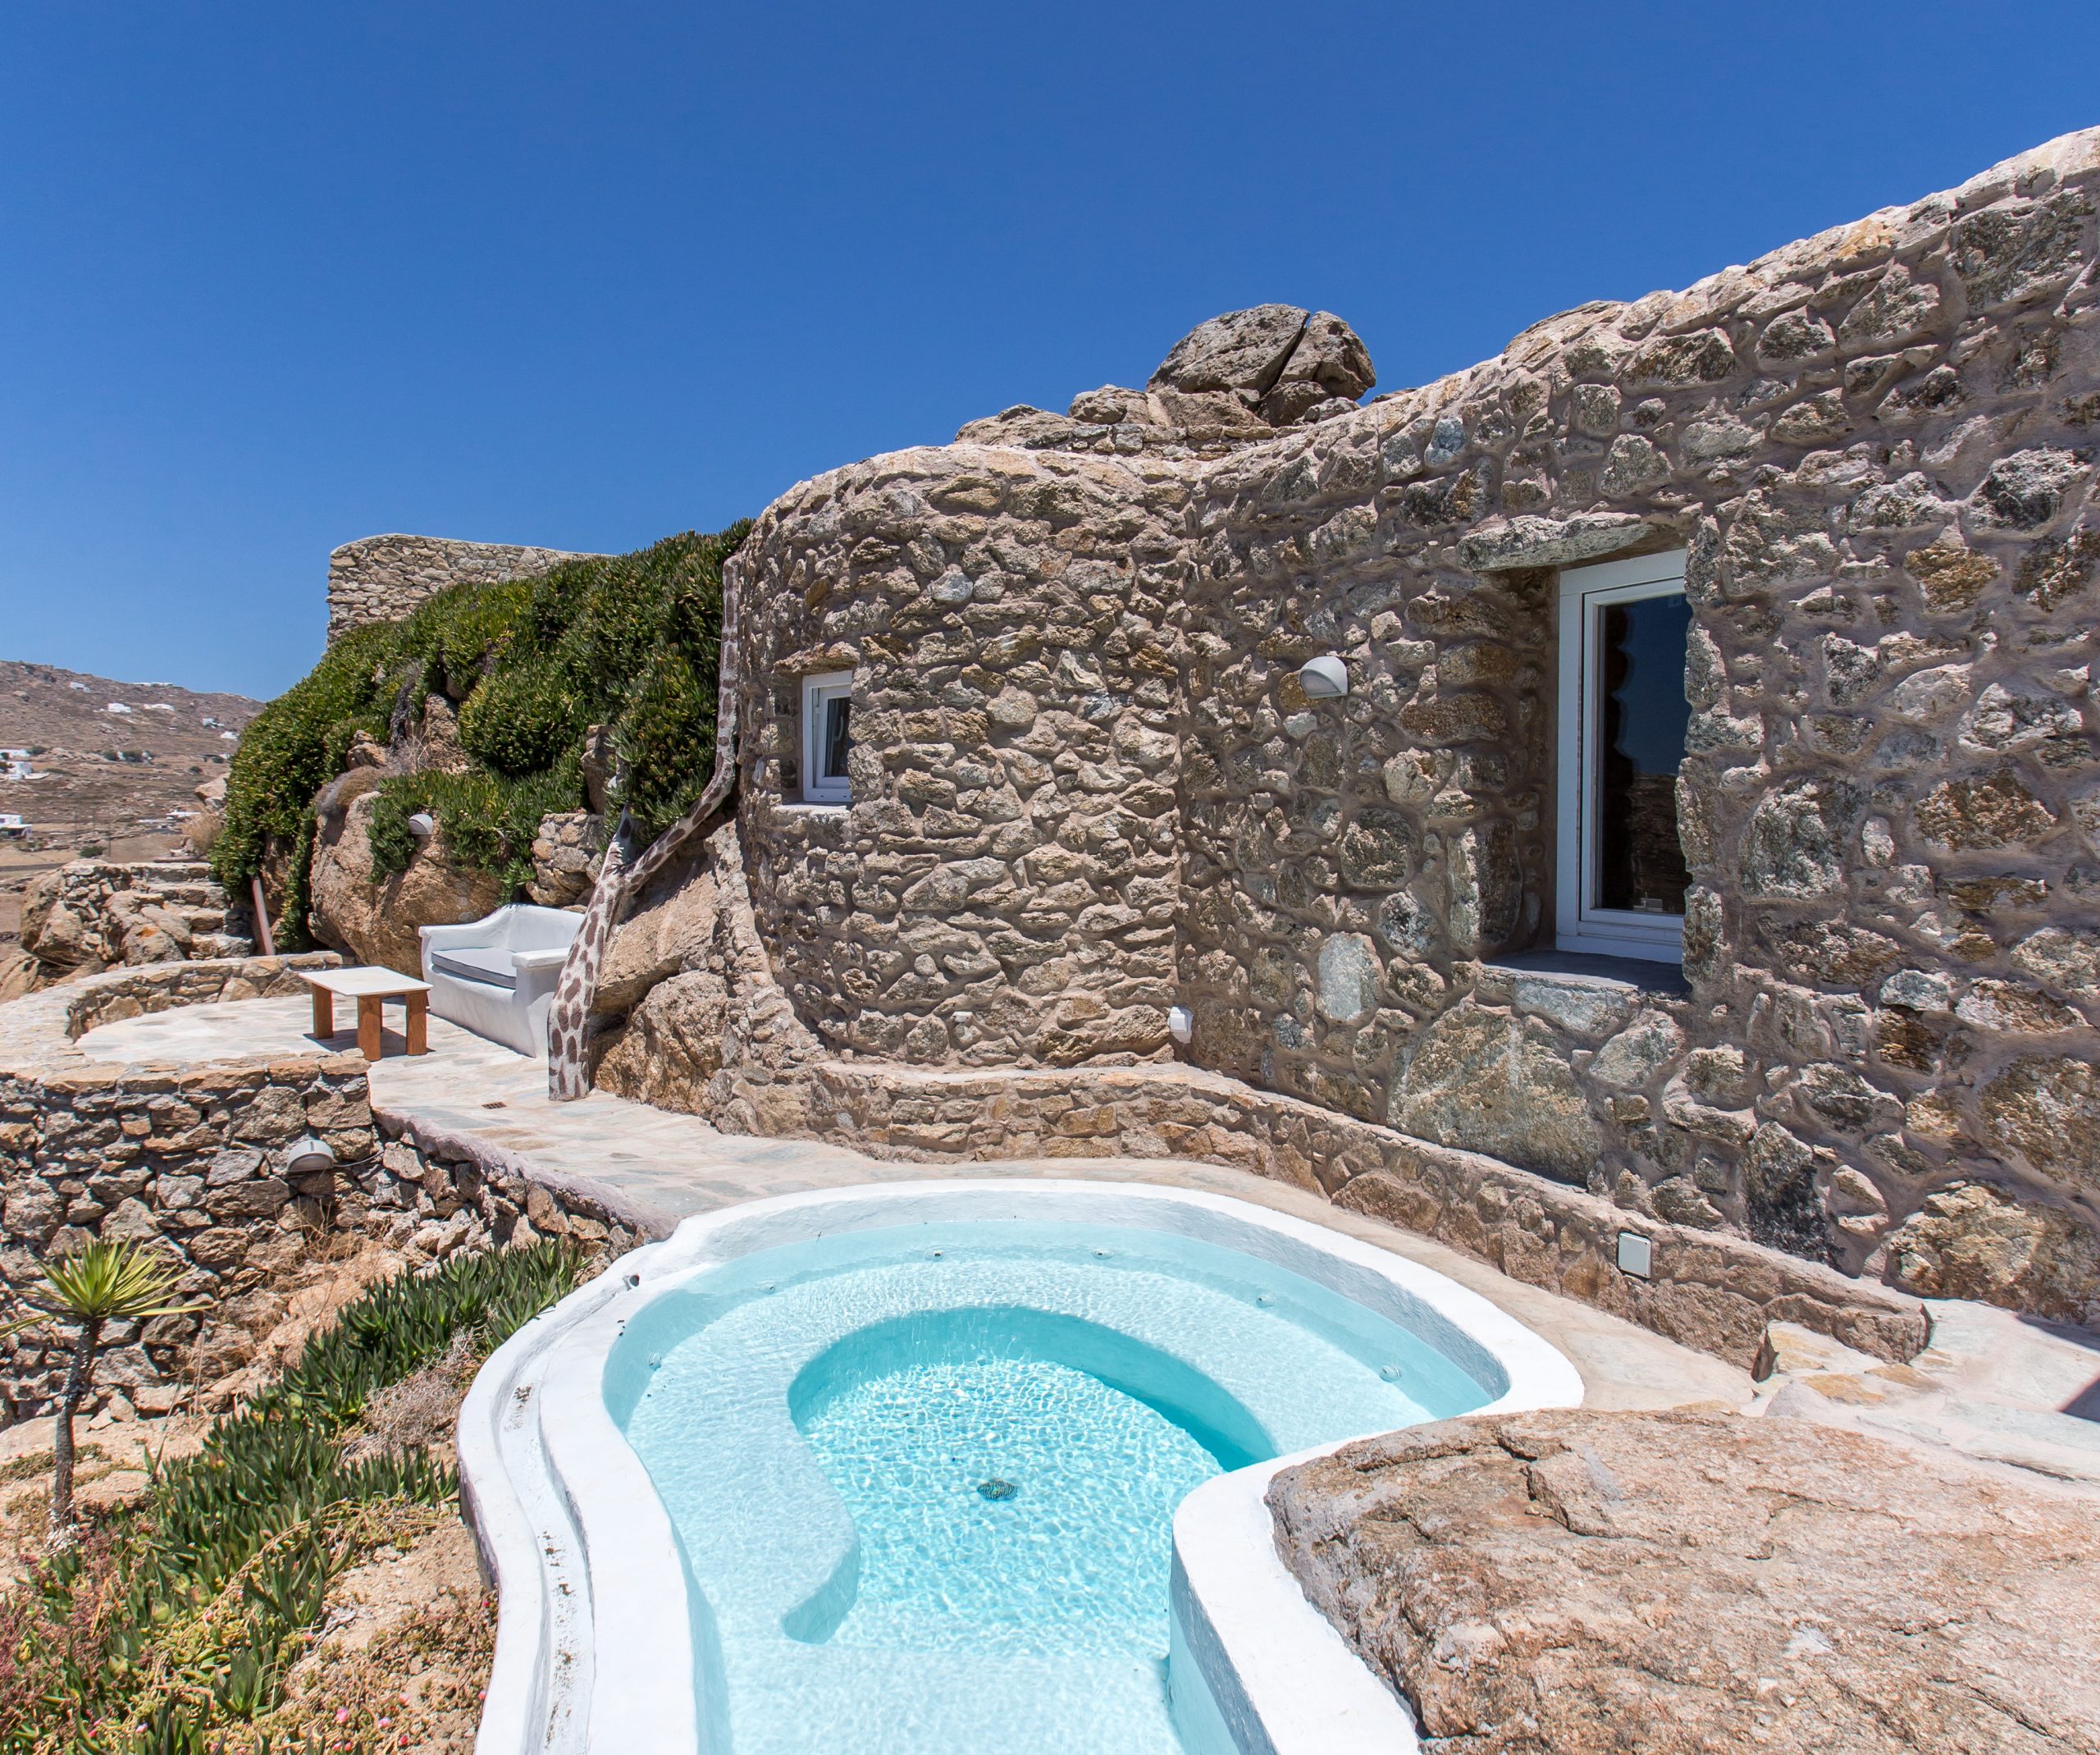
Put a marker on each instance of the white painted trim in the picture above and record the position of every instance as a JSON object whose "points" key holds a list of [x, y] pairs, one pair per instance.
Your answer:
{"points": [[817, 690], [595, 1646], [1578, 926], [1279, 1678]]}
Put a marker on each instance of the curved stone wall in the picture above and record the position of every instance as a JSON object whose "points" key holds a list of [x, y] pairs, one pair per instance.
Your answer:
{"points": [[1088, 786], [1007, 889]]}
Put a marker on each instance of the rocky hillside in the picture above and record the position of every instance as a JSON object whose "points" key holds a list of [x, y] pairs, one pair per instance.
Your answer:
{"points": [[96, 778], [109, 757]]}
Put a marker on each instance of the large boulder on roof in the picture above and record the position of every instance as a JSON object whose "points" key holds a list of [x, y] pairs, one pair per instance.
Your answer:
{"points": [[1282, 358], [1242, 350], [1230, 382], [1329, 363]]}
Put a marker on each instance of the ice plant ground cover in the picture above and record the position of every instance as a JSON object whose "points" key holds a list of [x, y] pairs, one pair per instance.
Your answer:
{"points": [[171, 1625]]}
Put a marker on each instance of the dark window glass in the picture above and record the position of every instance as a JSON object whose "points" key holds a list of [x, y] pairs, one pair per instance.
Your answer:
{"points": [[1641, 741], [838, 737]]}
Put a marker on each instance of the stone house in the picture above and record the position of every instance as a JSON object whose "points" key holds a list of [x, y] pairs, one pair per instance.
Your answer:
{"points": [[1660, 757]]}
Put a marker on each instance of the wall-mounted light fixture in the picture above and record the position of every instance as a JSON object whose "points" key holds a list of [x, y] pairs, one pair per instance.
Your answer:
{"points": [[1636, 1255], [1180, 1024], [309, 1155], [1323, 679], [422, 825]]}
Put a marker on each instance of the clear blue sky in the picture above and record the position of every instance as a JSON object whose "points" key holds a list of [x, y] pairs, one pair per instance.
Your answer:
{"points": [[273, 277]]}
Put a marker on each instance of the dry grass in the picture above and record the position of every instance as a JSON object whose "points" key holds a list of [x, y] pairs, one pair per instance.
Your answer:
{"points": [[421, 1410], [200, 833]]}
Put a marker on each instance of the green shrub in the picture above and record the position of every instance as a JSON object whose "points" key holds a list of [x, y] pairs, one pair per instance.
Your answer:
{"points": [[454, 637], [629, 642], [295, 745], [489, 821], [522, 720]]}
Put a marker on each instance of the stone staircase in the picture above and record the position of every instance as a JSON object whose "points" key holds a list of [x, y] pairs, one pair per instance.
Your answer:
{"points": [[96, 914]]}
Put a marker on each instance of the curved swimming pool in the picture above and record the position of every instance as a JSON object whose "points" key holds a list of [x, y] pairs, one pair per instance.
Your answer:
{"points": [[917, 1453]]}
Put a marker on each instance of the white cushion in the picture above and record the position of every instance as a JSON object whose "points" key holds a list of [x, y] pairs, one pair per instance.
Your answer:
{"points": [[477, 963]]}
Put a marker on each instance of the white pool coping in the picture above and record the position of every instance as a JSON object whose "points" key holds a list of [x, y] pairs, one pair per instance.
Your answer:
{"points": [[595, 1628]]}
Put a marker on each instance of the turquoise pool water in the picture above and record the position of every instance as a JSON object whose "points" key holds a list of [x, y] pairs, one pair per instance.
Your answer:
{"points": [[923, 1478]]}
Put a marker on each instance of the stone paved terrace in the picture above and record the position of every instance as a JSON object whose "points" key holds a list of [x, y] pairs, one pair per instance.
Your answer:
{"points": [[1995, 1386]]}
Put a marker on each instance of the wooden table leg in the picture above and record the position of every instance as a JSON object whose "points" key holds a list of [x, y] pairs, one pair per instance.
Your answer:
{"points": [[419, 1026], [369, 1039], [324, 1013]]}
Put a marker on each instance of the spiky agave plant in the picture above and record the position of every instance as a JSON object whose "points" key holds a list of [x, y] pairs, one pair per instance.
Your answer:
{"points": [[102, 1282]]}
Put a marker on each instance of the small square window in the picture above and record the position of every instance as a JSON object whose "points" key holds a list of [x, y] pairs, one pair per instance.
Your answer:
{"points": [[826, 737], [1623, 715]]}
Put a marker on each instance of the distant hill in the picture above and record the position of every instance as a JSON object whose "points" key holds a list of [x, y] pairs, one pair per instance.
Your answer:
{"points": [[110, 758]]}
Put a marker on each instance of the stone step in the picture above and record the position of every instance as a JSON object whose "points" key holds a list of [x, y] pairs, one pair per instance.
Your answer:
{"points": [[207, 944], [186, 895]]}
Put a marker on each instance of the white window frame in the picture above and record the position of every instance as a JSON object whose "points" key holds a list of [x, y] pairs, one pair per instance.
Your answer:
{"points": [[1580, 925], [816, 692]]}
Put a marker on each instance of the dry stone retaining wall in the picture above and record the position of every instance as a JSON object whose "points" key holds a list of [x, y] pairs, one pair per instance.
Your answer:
{"points": [[1709, 1290], [192, 1158], [1088, 785], [718, 1037], [383, 578]]}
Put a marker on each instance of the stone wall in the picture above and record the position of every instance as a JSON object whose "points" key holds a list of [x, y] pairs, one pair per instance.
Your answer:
{"points": [[716, 1035], [1707, 1290], [1088, 786], [91, 915], [1007, 890], [192, 1158], [382, 578]]}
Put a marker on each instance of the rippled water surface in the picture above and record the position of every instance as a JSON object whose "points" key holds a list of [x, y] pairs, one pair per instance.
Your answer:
{"points": [[925, 1484], [1009, 1504]]}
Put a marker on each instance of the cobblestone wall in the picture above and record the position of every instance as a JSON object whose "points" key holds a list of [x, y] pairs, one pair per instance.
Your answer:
{"points": [[1088, 786], [382, 578], [718, 1038]]}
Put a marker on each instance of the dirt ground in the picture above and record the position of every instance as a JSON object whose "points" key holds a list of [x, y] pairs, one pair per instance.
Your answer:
{"points": [[401, 1657], [109, 1470]]}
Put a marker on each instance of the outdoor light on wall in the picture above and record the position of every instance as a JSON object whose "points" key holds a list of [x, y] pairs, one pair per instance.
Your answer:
{"points": [[1180, 1025], [422, 825], [309, 1155], [1323, 679]]}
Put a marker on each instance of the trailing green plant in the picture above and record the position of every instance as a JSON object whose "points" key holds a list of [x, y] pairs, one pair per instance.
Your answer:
{"points": [[184, 1616], [292, 748], [489, 821], [631, 642]]}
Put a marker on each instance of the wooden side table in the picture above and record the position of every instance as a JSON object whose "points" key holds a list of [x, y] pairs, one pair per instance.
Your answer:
{"points": [[371, 988]]}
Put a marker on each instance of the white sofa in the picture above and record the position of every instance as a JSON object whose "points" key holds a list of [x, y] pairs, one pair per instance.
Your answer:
{"points": [[496, 976]]}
